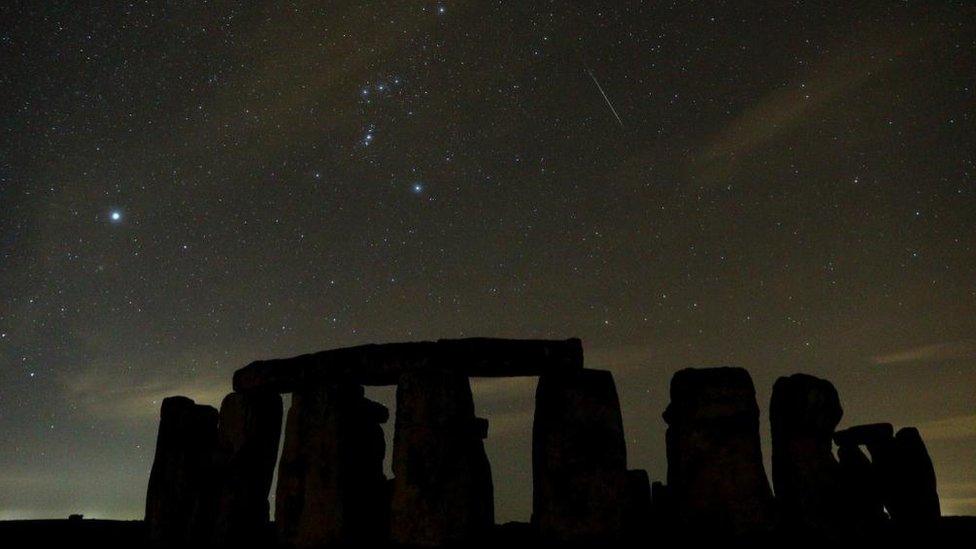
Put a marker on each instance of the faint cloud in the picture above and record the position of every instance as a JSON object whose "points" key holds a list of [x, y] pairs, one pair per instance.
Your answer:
{"points": [[105, 397], [936, 352], [837, 78], [950, 428]]}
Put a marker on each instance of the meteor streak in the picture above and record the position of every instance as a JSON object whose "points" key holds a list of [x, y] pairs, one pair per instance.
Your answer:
{"points": [[604, 94]]}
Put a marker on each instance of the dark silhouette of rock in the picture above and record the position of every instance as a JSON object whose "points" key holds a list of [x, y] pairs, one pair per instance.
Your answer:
{"points": [[871, 435], [244, 460], [716, 480], [330, 479], [861, 476], [803, 413], [383, 364], [863, 504], [637, 512], [579, 458], [913, 499], [442, 489], [209, 483], [177, 496]]}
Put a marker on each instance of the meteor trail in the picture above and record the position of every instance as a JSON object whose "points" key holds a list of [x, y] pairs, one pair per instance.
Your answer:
{"points": [[604, 94]]}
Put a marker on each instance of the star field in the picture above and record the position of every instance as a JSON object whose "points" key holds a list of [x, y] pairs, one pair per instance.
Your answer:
{"points": [[186, 188]]}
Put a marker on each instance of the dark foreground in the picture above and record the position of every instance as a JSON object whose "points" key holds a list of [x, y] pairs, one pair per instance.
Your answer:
{"points": [[951, 532]]}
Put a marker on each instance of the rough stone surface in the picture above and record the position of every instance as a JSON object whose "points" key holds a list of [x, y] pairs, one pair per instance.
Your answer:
{"points": [[913, 500], [331, 488], [803, 413], [384, 364], [579, 459], [442, 490], [716, 480], [248, 432], [177, 495]]}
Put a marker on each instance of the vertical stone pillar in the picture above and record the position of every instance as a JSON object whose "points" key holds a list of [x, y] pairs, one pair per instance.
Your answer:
{"points": [[579, 458], [803, 412], [716, 479], [913, 500], [442, 488], [247, 447], [330, 479], [178, 483]]}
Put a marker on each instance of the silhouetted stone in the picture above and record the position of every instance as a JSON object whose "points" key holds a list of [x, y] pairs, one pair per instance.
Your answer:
{"points": [[637, 512], [914, 500], [861, 477], [247, 447], [716, 478], [383, 364], [579, 458], [803, 413], [331, 487], [871, 435], [178, 483], [864, 502], [442, 489]]}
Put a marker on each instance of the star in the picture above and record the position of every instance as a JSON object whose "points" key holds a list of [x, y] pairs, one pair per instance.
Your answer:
{"points": [[115, 216], [417, 188]]}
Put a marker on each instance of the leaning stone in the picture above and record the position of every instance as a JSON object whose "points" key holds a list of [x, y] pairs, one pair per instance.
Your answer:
{"points": [[803, 413], [579, 459], [331, 487], [177, 499], [442, 488], [247, 447], [716, 479]]}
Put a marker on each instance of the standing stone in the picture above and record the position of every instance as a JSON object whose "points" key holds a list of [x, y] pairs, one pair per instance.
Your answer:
{"points": [[804, 411], [716, 478], [330, 480], [861, 476], [442, 489], [579, 458], [637, 512], [244, 461], [913, 501], [178, 483], [863, 504]]}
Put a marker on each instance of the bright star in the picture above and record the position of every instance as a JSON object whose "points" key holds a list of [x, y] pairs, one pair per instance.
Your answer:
{"points": [[115, 216], [417, 188]]}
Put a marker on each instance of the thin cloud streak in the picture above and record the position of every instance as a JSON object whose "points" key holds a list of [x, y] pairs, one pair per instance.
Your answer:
{"points": [[950, 428], [936, 352]]}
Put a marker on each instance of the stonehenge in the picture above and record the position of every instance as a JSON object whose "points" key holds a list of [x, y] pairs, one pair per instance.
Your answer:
{"points": [[213, 472]]}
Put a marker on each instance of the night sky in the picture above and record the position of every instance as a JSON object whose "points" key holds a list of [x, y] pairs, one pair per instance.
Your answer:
{"points": [[187, 187]]}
